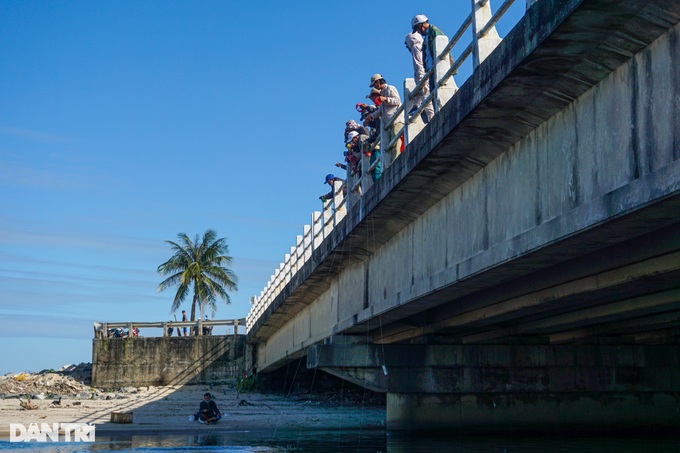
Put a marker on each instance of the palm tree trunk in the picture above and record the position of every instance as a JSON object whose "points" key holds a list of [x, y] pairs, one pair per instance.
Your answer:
{"points": [[193, 307]]}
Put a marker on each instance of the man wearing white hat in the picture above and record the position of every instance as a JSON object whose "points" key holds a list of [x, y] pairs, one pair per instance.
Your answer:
{"points": [[414, 44], [389, 104], [421, 24]]}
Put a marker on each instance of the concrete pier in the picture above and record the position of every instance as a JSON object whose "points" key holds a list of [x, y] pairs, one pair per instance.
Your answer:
{"points": [[514, 387]]}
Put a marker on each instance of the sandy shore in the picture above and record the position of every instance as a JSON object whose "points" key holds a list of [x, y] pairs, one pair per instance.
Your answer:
{"points": [[167, 409]]}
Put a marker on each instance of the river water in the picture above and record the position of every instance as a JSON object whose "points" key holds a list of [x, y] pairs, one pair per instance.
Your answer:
{"points": [[373, 441]]}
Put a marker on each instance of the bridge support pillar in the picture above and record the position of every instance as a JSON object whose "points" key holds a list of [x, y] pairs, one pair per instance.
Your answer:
{"points": [[514, 387], [516, 412]]}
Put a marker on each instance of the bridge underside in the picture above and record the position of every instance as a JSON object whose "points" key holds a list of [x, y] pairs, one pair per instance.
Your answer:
{"points": [[514, 387], [571, 320], [579, 333], [630, 291], [590, 343]]}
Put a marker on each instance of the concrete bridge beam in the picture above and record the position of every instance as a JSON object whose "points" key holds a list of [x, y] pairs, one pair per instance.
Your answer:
{"points": [[462, 386]]}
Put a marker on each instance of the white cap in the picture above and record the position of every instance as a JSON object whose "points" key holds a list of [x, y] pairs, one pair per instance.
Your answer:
{"points": [[418, 19], [351, 135]]}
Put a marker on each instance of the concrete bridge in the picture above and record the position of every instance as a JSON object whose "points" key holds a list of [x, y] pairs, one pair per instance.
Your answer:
{"points": [[519, 263]]}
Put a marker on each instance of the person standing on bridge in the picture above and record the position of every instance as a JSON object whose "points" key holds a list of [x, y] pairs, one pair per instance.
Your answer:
{"points": [[184, 319], [421, 24], [389, 104], [414, 44]]}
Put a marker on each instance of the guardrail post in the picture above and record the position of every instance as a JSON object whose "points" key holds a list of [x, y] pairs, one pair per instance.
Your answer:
{"points": [[130, 327], [165, 329], [445, 88], [366, 181], [199, 328], [317, 229], [235, 327], [353, 187], [286, 270], [483, 45], [105, 330], [412, 128], [307, 242], [338, 197], [292, 268], [327, 221]]}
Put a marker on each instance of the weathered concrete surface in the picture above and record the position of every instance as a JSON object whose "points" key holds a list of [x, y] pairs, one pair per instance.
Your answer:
{"points": [[134, 362], [495, 387], [574, 369], [562, 146], [541, 205], [517, 412]]}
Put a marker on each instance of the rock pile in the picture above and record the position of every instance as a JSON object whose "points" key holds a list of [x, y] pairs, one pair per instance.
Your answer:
{"points": [[70, 380]]}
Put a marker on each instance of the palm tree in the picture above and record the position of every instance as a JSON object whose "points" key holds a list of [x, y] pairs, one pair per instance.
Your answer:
{"points": [[202, 264]]}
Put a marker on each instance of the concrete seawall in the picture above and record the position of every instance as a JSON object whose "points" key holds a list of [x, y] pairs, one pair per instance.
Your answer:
{"points": [[121, 362]]}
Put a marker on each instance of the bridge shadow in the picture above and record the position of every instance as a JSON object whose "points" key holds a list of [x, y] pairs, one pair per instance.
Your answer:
{"points": [[163, 401], [306, 400]]}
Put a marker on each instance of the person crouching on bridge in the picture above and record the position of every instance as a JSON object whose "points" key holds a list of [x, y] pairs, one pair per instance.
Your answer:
{"points": [[360, 143], [208, 412]]}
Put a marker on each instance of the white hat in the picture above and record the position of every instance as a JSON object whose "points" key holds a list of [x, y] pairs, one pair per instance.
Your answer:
{"points": [[418, 19], [351, 135]]}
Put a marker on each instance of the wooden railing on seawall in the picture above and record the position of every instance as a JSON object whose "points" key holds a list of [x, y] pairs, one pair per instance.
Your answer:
{"points": [[101, 329]]}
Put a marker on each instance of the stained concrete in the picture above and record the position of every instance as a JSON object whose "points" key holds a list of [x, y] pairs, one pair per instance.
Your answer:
{"points": [[514, 387], [542, 157], [542, 204], [136, 362]]}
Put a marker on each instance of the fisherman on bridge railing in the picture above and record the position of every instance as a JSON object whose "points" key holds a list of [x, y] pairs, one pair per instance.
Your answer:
{"points": [[351, 157], [366, 110], [430, 33], [330, 180], [389, 105], [414, 44], [432, 60], [422, 25], [352, 126], [361, 145]]}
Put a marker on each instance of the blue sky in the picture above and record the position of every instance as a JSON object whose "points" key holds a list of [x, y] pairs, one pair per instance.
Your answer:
{"points": [[124, 123]]}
